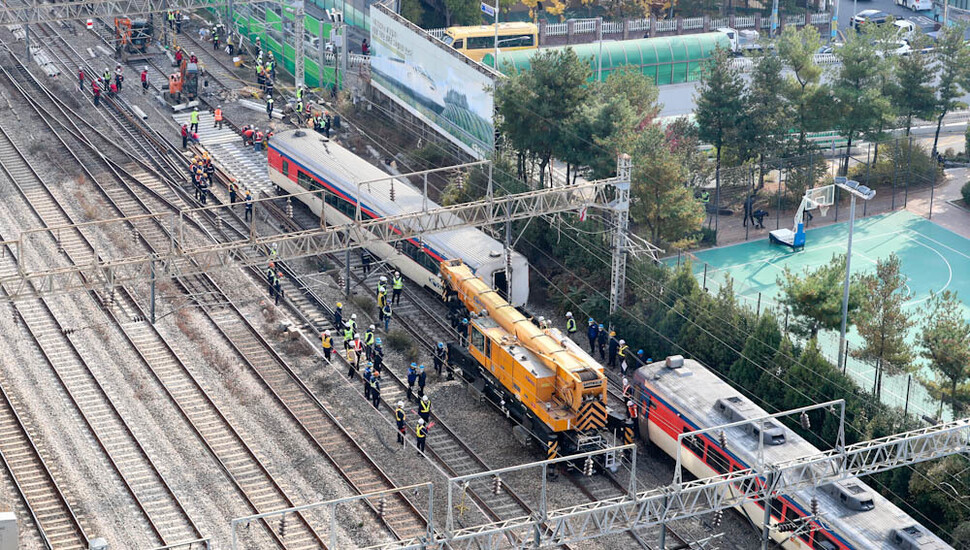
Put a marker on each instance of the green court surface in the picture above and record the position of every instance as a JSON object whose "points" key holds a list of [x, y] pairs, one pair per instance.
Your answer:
{"points": [[932, 258]]}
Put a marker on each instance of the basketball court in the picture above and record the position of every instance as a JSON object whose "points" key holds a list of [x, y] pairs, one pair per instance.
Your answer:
{"points": [[933, 259]]}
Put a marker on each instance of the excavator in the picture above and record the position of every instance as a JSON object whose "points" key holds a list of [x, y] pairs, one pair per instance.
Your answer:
{"points": [[133, 38], [184, 85]]}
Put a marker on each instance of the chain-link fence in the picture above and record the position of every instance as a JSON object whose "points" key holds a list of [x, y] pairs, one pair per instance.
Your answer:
{"points": [[896, 168]]}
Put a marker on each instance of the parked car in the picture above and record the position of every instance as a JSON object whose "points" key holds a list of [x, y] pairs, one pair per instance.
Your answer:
{"points": [[874, 17], [917, 23], [916, 5]]}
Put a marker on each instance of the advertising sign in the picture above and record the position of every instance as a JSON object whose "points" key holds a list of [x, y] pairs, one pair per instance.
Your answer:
{"points": [[439, 85]]}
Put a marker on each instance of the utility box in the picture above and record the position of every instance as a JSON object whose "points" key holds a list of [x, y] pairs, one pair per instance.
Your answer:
{"points": [[9, 537], [98, 544]]}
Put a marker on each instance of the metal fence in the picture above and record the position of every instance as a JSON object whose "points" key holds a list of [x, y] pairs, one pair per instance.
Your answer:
{"points": [[895, 168]]}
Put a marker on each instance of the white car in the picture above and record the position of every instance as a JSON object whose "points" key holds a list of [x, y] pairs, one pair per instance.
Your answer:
{"points": [[916, 5]]}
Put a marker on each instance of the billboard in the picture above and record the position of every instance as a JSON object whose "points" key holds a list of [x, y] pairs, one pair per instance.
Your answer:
{"points": [[439, 85]]}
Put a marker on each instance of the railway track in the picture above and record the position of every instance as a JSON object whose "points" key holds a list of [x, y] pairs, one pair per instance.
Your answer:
{"points": [[252, 479], [401, 517]]}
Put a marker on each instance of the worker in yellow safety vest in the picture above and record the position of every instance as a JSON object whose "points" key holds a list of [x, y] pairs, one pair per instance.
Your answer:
{"points": [[327, 342], [397, 287]]}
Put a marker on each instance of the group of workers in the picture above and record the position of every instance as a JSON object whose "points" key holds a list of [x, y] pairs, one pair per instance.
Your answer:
{"points": [[174, 19], [255, 137], [617, 351], [203, 172], [106, 82]]}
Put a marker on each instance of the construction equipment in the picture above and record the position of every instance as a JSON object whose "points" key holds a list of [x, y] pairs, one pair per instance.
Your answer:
{"points": [[185, 83], [133, 38]]}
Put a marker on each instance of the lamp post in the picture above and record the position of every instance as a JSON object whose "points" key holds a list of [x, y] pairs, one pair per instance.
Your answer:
{"points": [[855, 190]]}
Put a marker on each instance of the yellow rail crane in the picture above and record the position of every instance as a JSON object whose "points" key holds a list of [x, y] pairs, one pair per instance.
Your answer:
{"points": [[553, 390]]}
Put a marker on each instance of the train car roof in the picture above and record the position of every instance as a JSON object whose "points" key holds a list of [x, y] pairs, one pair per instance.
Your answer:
{"points": [[694, 391], [344, 170]]}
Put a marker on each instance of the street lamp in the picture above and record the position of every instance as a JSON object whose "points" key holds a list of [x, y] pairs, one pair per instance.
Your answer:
{"points": [[866, 194]]}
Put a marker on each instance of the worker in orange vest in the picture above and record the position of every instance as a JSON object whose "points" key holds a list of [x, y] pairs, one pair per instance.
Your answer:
{"points": [[218, 118], [634, 411]]}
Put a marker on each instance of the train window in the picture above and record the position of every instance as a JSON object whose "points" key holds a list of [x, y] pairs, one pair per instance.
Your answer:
{"points": [[306, 181], [776, 508], [478, 339], [693, 443], [823, 542], [717, 460], [285, 167], [791, 513]]}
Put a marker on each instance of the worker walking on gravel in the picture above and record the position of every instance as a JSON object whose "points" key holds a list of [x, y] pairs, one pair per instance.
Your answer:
{"points": [[119, 76], [269, 107], [80, 79], [440, 356], [96, 90], [366, 376], [249, 205], [233, 193], [378, 356], [421, 433], [375, 390], [386, 314], [194, 120], [424, 410], [601, 342], [422, 380], [592, 331], [623, 353], [338, 315], [570, 324], [217, 115], [278, 287], [412, 378], [369, 342], [358, 347], [326, 341], [400, 418], [144, 81], [398, 287], [614, 347]]}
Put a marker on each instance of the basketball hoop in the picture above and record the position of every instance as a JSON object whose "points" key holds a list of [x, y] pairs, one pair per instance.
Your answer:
{"points": [[824, 210]]}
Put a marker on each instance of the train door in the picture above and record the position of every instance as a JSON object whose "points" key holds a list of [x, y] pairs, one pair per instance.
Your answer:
{"points": [[501, 284]]}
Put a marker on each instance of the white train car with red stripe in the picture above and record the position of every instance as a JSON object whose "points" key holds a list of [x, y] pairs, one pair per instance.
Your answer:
{"points": [[680, 395], [301, 160]]}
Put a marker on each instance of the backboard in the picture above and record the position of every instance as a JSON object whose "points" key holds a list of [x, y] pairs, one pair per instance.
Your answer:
{"points": [[821, 198]]}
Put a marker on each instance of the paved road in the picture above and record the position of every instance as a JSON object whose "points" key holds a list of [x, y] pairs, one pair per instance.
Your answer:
{"points": [[849, 7]]}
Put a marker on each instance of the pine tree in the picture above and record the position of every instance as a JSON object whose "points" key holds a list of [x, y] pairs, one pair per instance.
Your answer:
{"points": [[882, 323], [759, 350], [814, 298], [719, 109], [945, 341]]}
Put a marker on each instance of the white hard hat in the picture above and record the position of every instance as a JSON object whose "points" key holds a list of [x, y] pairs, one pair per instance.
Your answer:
{"points": [[625, 381], [357, 335], [327, 332], [372, 327], [398, 273], [629, 403], [569, 314], [420, 421], [622, 341], [146, 67], [425, 398], [383, 278], [353, 316], [400, 403]]}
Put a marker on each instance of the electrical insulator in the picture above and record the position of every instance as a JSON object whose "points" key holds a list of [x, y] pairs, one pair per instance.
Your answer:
{"points": [[219, 223], [381, 506], [496, 485], [814, 506], [786, 526], [134, 233], [718, 516], [392, 190], [588, 467], [289, 208], [722, 439], [806, 423], [283, 527]]}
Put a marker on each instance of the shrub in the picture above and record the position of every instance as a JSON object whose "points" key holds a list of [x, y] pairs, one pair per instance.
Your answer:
{"points": [[398, 340], [365, 304], [965, 191], [896, 157]]}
